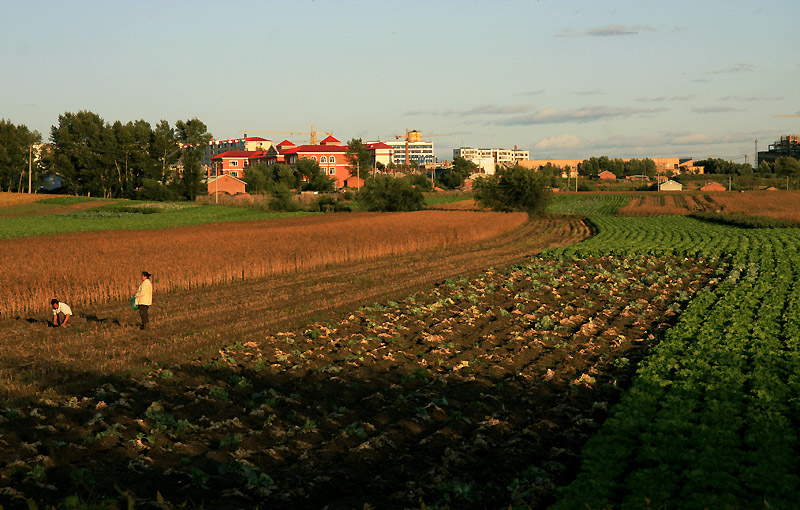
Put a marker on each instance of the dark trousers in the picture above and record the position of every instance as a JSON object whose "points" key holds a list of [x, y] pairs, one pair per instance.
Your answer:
{"points": [[143, 314]]}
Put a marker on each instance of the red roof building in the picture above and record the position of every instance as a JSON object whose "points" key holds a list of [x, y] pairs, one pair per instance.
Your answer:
{"points": [[235, 162], [225, 185], [330, 155]]}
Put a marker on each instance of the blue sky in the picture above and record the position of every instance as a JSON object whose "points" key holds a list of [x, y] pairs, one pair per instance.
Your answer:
{"points": [[563, 79]]}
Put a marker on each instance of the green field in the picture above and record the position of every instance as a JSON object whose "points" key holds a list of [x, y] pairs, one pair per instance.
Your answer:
{"points": [[131, 216], [587, 205], [711, 419]]}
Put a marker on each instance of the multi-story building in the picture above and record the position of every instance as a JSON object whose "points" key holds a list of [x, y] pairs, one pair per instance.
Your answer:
{"points": [[234, 163], [330, 155], [788, 145], [499, 156], [246, 143]]}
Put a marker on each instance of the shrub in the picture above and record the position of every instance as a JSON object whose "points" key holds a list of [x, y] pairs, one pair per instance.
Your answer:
{"points": [[513, 189], [385, 193]]}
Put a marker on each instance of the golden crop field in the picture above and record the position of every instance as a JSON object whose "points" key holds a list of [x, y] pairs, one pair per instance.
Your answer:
{"points": [[11, 199], [784, 205], [95, 267]]}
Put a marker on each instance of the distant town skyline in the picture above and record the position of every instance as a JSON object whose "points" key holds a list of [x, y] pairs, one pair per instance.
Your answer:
{"points": [[563, 80]]}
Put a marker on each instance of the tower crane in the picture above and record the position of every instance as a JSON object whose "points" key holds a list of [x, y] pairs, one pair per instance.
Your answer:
{"points": [[792, 115], [312, 134], [412, 136]]}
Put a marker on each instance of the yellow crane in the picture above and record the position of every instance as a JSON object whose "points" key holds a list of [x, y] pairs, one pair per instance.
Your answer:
{"points": [[412, 136], [312, 134], [792, 115]]}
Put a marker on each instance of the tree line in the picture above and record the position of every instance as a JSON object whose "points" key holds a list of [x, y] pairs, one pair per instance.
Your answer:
{"points": [[112, 160]]}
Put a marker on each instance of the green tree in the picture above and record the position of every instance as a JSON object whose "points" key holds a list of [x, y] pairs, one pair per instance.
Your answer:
{"points": [[194, 137], [359, 157], [78, 153], [164, 152], [455, 177], [785, 165], [258, 178], [312, 177], [15, 144], [385, 193], [513, 189]]}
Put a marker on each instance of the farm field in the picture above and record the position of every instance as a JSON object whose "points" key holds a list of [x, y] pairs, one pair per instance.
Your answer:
{"points": [[654, 365], [515, 366], [95, 267]]}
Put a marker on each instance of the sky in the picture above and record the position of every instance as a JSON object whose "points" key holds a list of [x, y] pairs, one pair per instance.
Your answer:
{"points": [[563, 79]]}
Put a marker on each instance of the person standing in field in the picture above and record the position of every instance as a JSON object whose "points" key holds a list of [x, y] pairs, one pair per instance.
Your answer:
{"points": [[144, 298], [61, 313]]}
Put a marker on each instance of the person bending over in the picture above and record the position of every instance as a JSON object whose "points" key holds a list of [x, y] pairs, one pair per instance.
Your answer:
{"points": [[61, 313]]}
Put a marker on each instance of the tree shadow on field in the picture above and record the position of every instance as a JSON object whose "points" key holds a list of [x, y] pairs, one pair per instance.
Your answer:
{"points": [[233, 433]]}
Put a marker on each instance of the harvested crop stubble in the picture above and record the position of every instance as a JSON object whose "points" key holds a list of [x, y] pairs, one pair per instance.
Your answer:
{"points": [[10, 199], [784, 205], [95, 267]]}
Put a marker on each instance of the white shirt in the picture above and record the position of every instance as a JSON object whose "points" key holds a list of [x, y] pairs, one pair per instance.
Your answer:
{"points": [[62, 308], [144, 296]]}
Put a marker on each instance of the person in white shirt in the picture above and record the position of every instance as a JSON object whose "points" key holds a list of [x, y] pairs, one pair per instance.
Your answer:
{"points": [[61, 313], [144, 298]]}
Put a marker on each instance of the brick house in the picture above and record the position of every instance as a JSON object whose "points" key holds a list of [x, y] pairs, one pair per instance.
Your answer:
{"points": [[226, 184]]}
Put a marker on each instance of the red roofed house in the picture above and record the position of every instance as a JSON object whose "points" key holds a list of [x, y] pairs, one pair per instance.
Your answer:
{"points": [[226, 184], [605, 174], [235, 162], [248, 143], [381, 152], [713, 186], [330, 155]]}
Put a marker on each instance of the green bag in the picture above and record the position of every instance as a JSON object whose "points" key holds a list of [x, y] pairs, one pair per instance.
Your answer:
{"points": [[134, 306]]}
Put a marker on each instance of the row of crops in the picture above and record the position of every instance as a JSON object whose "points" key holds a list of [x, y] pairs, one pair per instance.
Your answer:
{"points": [[711, 418]]}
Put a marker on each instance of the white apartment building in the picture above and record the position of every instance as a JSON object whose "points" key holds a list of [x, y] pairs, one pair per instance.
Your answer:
{"points": [[498, 155], [421, 152]]}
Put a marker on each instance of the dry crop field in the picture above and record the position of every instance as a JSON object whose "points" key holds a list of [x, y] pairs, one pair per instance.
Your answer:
{"points": [[783, 205], [95, 267], [12, 199]]}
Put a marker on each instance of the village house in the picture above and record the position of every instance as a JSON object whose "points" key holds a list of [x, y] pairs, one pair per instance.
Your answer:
{"points": [[225, 185], [670, 185]]}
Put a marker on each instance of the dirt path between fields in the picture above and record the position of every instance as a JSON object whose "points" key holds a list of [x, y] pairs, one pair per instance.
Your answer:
{"points": [[105, 339]]}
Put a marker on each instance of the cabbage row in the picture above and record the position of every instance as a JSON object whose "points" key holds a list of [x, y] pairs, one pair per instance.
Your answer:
{"points": [[711, 419]]}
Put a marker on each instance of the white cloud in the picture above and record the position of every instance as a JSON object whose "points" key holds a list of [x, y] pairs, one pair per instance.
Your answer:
{"points": [[692, 139], [585, 114], [737, 68], [560, 142], [716, 109], [613, 30]]}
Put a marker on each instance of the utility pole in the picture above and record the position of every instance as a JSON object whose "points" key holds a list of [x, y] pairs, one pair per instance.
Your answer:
{"points": [[30, 167]]}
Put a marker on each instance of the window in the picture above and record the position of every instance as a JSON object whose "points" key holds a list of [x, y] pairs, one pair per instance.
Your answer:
{"points": [[332, 171], [322, 159], [313, 158], [333, 159], [234, 163]]}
